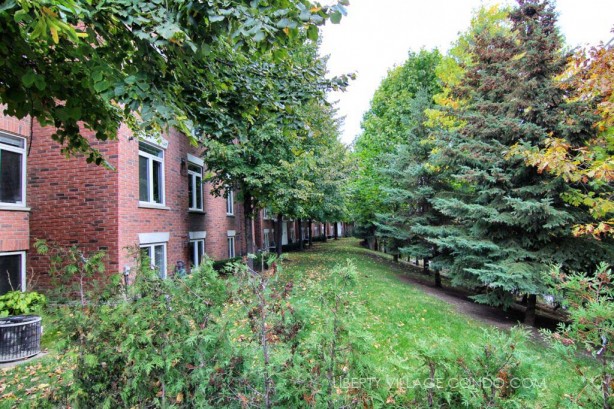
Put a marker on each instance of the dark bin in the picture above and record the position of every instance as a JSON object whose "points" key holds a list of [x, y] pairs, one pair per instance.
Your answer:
{"points": [[20, 337]]}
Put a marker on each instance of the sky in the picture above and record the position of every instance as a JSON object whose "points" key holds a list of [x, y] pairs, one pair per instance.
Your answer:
{"points": [[377, 34]]}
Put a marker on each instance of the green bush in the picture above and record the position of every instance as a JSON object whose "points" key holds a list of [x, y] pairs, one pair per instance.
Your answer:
{"points": [[19, 303]]}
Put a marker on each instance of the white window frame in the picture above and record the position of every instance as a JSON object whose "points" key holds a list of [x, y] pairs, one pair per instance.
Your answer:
{"points": [[266, 238], [151, 251], [194, 243], [24, 184], [150, 159], [23, 265], [230, 239], [230, 205], [196, 190], [266, 213]]}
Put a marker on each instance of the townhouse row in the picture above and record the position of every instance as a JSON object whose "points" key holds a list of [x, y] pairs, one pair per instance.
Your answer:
{"points": [[152, 197]]}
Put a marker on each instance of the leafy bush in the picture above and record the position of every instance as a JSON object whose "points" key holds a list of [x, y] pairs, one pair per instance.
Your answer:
{"points": [[19, 303], [589, 303]]}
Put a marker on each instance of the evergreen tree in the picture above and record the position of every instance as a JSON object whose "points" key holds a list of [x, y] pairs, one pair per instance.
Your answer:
{"points": [[508, 220]]}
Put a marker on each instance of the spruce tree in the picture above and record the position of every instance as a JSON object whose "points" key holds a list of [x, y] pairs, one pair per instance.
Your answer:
{"points": [[508, 220]]}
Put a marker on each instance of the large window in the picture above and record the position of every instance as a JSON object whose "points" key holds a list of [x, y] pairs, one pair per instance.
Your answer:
{"points": [[230, 203], [151, 174], [266, 239], [197, 252], [12, 170], [156, 254], [195, 174], [12, 272]]}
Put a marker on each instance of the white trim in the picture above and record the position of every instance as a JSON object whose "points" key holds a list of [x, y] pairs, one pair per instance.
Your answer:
{"points": [[150, 238], [150, 173], [152, 256], [197, 235], [231, 233], [266, 230], [24, 180], [11, 207], [158, 141], [232, 252], [197, 189], [230, 203], [196, 160], [23, 265]]}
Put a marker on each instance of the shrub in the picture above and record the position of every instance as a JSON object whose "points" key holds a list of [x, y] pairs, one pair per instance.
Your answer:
{"points": [[19, 303], [590, 307]]}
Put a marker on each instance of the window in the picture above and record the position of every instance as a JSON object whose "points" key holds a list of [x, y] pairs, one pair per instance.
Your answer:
{"points": [[231, 243], [266, 240], [266, 213], [197, 252], [156, 254], [12, 272], [195, 175], [151, 174], [230, 205], [12, 170]]}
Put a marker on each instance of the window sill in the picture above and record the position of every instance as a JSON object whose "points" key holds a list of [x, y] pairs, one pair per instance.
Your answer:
{"points": [[230, 215], [14, 208], [146, 205], [197, 211]]}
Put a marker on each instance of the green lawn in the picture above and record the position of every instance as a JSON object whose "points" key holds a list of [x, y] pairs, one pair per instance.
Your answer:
{"points": [[399, 318], [397, 321]]}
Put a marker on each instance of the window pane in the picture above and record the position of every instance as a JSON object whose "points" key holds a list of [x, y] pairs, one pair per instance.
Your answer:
{"points": [[201, 251], [191, 192], [194, 168], [199, 192], [10, 177], [157, 182], [10, 273], [159, 260], [143, 178], [193, 260], [12, 141], [150, 149]]}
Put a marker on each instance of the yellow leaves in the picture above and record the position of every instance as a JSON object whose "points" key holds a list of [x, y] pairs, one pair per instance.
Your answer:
{"points": [[54, 34], [519, 56]]}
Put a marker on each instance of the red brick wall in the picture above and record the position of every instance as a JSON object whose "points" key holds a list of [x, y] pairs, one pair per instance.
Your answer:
{"points": [[14, 224], [14, 231], [72, 202], [175, 219], [218, 224]]}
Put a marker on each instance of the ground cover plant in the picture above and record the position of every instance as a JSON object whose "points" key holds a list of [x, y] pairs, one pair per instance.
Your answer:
{"points": [[310, 332]]}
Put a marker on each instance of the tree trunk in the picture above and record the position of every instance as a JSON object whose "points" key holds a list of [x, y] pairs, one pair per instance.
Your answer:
{"points": [[529, 315], [310, 238], [437, 278], [336, 230], [395, 258], [279, 233], [248, 211], [425, 265], [300, 234], [325, 232]]}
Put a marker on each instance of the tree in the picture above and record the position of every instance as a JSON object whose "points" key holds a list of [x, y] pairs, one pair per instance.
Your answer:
{"points": [[61, 64], [589, 169], [508, 221], [386, 125]]}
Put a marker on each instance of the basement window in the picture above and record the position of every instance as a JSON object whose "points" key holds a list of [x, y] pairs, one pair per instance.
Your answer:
{"points": [[12, 272]]}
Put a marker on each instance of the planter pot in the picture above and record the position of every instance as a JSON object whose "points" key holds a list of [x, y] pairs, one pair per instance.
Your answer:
{"points": [[20, 337]]}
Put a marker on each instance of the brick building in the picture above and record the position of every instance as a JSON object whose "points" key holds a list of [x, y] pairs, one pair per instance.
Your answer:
{"points": [[151, 197]]}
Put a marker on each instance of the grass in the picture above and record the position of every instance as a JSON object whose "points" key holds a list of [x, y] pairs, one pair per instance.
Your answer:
{"points": [[396, 319], [399, 317]]}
